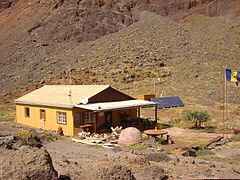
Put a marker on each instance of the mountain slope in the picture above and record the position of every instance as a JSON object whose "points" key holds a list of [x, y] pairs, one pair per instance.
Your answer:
{"points": [[125, 43]]}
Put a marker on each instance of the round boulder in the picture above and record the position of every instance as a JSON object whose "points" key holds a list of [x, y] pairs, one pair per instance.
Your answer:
{"points": [[130, 135]]}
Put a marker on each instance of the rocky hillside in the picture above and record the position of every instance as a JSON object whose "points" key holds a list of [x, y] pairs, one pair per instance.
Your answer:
{"points": [[128, 44]]}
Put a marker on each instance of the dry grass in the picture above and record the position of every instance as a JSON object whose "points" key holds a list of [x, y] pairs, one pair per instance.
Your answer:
{"points": [[7, 109], [189, 142], [137, 146]]}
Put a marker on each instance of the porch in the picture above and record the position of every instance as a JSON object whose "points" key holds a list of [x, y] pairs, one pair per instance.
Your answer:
{"points": [[100, 117]]}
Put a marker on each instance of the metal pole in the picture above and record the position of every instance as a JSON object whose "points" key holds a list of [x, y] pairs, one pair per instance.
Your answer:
{"points": [[154, 87], [224, 92], [225, 101]]}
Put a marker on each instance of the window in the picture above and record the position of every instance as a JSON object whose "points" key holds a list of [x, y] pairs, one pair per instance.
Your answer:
{"points": [[61, 118], [27, 112], [42, 114], [88, 117]]}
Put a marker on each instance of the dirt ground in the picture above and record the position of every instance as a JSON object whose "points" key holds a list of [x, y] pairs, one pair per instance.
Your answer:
{"points": [[80, 161]]}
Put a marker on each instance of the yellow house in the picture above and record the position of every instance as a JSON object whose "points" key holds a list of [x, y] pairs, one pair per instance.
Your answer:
{"points": [[78, 107]]}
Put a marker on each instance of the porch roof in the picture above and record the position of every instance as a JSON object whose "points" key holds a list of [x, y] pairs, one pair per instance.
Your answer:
{"points": [[105, 106]]}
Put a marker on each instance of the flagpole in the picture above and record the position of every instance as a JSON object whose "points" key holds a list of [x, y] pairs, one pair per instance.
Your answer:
{"points": [[224, 91], [225, 102]]}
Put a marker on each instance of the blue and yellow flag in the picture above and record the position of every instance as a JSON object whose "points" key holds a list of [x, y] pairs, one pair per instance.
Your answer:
{"points": [[232, 75]]}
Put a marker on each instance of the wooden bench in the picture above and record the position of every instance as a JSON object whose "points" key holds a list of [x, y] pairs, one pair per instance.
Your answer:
{"points": [[216, 139]]}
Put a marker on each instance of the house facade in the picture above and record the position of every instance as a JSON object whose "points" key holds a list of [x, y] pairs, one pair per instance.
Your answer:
{"points": [[94, 108]]}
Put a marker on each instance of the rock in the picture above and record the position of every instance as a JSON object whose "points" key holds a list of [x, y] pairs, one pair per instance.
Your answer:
{"points": [[190, 152], [155, 172], [64, 177], [202, 162], [9, 142], [150, 142], [29, 163], [196, 147], [29, 138], [158, 157], [211, 165], [130, 135], [236, 168], [115, 172], [237, 131]]}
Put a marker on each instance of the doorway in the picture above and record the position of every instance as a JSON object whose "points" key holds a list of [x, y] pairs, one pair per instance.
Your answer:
{"points": [[108, 119], [42, 118]]}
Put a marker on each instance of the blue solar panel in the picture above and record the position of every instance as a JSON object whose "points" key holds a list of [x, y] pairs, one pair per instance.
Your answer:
{"points": [[168, 102]]}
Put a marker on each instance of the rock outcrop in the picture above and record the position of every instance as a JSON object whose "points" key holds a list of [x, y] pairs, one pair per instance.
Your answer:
{"points": [[4, 4], [115, 172], [29, 163]]}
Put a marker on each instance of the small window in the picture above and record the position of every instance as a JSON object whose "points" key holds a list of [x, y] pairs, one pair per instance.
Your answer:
{"points": [[27, 112], [61, 118]]}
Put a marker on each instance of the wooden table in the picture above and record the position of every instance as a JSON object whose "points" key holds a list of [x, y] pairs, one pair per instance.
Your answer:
{"points": [[87, 127], [155, 132]]}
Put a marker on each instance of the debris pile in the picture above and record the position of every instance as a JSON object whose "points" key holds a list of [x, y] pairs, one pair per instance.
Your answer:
{"points": [[23, 137], [105, 139], [83, 135]]}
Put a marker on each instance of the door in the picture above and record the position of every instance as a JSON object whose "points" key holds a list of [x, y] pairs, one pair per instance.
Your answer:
{"points": [[108, 119], [78, 119], [42, 118]]}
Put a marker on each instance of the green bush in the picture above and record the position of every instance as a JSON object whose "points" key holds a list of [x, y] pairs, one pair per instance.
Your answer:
{"points": [[198, 117], [137, 146]]}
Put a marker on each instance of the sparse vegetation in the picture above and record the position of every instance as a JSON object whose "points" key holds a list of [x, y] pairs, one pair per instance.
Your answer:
{"points": [[137, 146], [236, 138], [7, 109], [210, 129], [205, 153], [23, 134], [145, 136], [173, 122], [158, 157], [197, 117]]}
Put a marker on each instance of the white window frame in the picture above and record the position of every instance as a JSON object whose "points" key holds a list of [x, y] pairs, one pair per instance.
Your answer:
{"points": [[61, 117]]}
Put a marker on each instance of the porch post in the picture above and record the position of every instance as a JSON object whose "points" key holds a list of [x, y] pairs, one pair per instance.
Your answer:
{"points": [[138, 112], [95, 122], [156, 114], [138, 116]]}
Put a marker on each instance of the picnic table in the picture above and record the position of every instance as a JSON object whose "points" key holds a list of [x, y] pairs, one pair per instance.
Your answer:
{"points": [[155, 132]]}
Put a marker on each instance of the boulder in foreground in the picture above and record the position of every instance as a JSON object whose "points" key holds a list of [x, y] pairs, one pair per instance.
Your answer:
{"points": [[29, 163]]}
